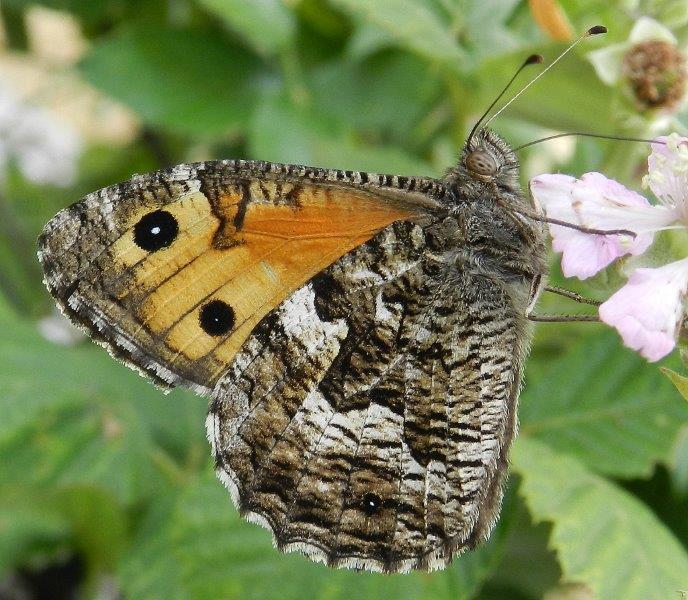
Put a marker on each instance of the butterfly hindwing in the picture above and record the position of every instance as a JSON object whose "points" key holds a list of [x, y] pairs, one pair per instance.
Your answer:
{"points": [[366, 421]]}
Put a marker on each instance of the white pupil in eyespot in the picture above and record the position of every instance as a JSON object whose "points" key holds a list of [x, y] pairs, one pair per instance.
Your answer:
{"points": [[155, 230]]}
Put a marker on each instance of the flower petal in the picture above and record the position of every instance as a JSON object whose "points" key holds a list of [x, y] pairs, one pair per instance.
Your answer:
{"points": [[582, 255], [613, 206], [646, 29], [45, 150], [667, 176], [647, 311], [607, 62], [595, 202]]}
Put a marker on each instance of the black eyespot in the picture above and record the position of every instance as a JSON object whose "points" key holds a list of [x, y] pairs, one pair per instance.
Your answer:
{"points": [[217, 317], [156, 230], [481, 163], [371, 503]]}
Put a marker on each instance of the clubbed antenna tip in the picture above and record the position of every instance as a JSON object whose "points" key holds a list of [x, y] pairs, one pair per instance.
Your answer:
{"points": [[531, 59], [597, 29], [534, 59]]}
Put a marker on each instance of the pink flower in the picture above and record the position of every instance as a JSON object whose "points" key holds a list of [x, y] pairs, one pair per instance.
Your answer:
{"points": [[595, 202], [648, 310], [667, 175]]}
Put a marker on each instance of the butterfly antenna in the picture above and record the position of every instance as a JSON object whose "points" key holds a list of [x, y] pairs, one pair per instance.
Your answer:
{"points": [[586, 134], [596, 30], [531, 60]]}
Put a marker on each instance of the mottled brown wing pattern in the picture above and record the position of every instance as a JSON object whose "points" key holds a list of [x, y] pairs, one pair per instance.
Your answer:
{"points": [[366, 420]]}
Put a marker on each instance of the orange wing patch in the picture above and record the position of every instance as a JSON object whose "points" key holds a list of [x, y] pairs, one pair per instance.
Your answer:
{"points": [[249, 249]]}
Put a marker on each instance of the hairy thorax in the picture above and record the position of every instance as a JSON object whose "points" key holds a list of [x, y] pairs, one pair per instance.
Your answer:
{"points": [[485, 237]]}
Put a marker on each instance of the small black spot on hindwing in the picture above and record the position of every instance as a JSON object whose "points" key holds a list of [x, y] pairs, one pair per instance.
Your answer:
{"points": [[371, 503]]}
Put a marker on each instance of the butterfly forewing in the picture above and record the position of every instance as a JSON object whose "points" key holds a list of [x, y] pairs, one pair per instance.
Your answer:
{"points": [[172, 271]]}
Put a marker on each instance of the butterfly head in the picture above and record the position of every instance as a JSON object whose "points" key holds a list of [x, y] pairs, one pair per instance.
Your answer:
{"points": [[486, 161], [486, 192]]}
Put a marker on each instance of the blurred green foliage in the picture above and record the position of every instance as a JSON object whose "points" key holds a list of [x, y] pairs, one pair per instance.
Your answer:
{"points": [[100, 468]]}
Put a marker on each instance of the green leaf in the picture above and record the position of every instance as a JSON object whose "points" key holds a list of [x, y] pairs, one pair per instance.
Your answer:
{"points": [[679, 463], [367, 39], [343, 90], [35, 521], [413, 24], [267, 24], [526, 545], [324, 19], [679, 381], [190, 81], [19, 272], [195, 545], [91, 444], [96, 16], [29, 527], [485, 26], [604, 537], [283, 132], [35, 375], [97, 523], [604, 405], [88, 11], [76, 416]]}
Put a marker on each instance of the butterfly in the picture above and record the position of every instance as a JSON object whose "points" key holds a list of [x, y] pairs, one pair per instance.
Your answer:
{"points": [[361, 337]]}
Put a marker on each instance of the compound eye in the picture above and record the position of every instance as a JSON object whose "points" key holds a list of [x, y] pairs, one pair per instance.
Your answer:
{"points": [[481, 163]]}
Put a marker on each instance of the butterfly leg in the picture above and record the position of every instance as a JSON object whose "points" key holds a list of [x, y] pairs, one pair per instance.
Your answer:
{"points": [[564, 318]]}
